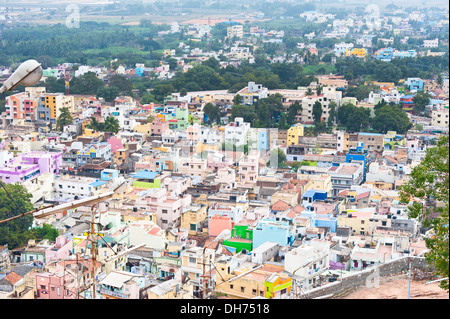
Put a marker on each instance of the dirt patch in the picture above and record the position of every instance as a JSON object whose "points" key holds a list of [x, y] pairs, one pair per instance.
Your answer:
{"points": [[396, 287]]}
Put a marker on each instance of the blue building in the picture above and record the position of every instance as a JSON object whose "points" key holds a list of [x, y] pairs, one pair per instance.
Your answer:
{"points": [[359, 154], [108, 174], [414, 84], [272, 230]]}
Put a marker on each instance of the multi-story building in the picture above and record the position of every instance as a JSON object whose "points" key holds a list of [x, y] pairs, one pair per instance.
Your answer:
{"points": [[236, 133], [294, 132], [193, 217], [248, 169], [358, 52], [252, 93], [345, 175], [439, 116], [31, 165], [308, 262], [235, 31], [70, 187], [50, 105], [24, 105]]}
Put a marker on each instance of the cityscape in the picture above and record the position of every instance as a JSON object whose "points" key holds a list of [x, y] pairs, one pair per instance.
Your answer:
{"points": [[226, 150]]}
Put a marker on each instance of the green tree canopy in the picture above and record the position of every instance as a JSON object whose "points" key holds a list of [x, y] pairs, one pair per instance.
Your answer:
{"points": [[64, 118], [14, 233], [421, 99], [390, 117], [427, 193]]}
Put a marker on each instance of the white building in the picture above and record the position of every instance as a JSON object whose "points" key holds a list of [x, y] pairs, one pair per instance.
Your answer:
{"points": [[265, 252], [308, 262], [235, 213], [439, 117], [431, 43], [147, 232], [71, 187], [236, 132]]}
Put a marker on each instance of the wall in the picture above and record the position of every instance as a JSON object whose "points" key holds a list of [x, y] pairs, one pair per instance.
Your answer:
{"points": [[359, 278]]}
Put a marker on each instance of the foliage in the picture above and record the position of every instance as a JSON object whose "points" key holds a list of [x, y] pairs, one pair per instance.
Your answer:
{"points": [[355, 119], [111, 124], [65, 118], [390, 117], [294, 109], [15, 233], [87, 83], [429, 185], [109, 94], [421, 99], [46, 231], [213, 112]]}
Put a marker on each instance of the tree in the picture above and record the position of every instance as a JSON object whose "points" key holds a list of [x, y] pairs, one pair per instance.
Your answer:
{"points": [[111, 124], [64, 118], [94, 124], [109, 94], [123, 85], [390, 118], [427, 193], [14, 233], [281, 157], [87, 83], [355, 119], [237, 99], [46, 231], [212, 112], [331, 114], [421, 99], [294, 109], [317, 116]]}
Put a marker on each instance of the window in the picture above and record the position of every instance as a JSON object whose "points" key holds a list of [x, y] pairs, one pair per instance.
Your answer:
{"points": [[192, 260], [231, 286], [254, 292]]}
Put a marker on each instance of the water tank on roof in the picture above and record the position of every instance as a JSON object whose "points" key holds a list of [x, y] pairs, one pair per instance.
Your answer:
{"points": [[349, 215], [134, 209]]}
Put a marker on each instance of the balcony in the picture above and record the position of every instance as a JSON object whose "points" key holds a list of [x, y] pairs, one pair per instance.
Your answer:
{"points": [[114, 294]]}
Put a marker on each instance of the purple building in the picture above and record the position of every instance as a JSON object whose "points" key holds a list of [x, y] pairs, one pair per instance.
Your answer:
{"points": [[29, 166]]}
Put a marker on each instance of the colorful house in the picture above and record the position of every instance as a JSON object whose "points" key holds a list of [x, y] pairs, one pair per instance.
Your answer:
{"points": [[358, 52], [146, 179], [241, 238], [408, 102], [276, 285], [294, 132]]}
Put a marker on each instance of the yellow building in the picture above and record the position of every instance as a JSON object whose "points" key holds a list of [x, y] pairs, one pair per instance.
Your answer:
{"points": [[358, 220], [193, 217], [143, 128], [320, 182], [293, 133], [51, 104], [267, 281], [359, 52]]}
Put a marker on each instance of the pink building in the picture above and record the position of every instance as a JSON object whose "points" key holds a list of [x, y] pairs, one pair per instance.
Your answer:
{"points": [[219, 223], [31, 165], [248, 169], [60, 250], [193, 133], [158, 126], [167, 206], [116, 143], [54, 286]]}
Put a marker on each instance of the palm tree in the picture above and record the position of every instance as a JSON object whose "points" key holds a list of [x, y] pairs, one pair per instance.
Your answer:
{"points": [[94, 124], [111, 125]]}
